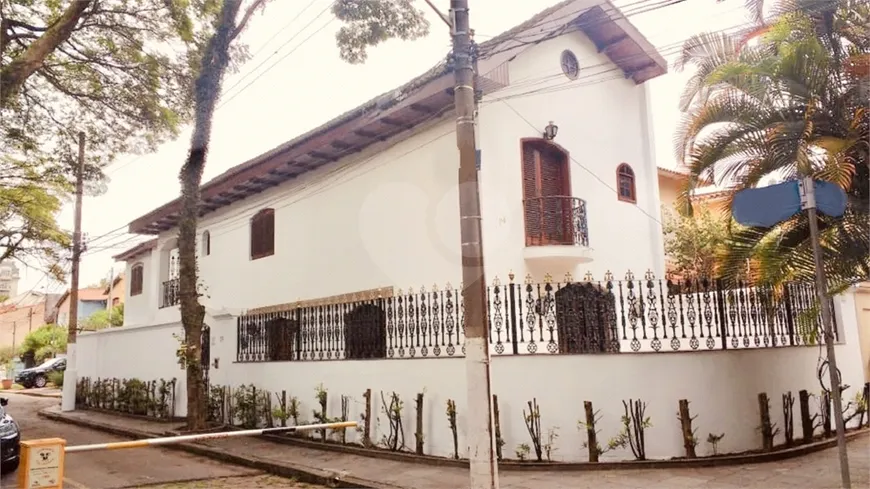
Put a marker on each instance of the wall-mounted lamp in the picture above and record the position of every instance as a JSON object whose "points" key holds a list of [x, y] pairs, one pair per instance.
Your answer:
{"points": [[550, 131]]}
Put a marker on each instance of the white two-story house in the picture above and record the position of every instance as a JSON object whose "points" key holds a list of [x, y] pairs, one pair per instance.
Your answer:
{"points": [[344, 244], [369, 200]]}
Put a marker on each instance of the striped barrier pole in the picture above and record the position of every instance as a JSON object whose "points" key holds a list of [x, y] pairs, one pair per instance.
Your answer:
{"points": [[207, 436]]}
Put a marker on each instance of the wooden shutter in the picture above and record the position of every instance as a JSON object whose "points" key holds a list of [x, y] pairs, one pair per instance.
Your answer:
{"points": [[531, 201], [263, 234], [553, 186], [136, 279]]}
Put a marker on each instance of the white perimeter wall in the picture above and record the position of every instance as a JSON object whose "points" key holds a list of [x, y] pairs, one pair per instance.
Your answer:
{"points": [[722, 386]]}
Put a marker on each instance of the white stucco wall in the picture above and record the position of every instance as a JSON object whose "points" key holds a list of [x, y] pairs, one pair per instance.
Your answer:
{"points": [[722, 386], [389, 216], [601, 124], [139, 309]]}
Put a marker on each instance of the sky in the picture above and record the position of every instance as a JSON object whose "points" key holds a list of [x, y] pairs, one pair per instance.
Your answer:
{"points": [[295, 81]]}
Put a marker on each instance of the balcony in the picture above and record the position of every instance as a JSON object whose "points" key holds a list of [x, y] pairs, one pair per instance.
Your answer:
{"points": [[170, 293], [557, 234]]}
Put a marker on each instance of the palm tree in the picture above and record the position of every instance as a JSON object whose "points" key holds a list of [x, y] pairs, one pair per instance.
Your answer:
{"points": [[782, 100]]}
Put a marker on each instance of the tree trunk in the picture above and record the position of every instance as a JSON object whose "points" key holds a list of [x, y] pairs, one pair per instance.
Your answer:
{"points": [[13, 75], [207, 89]]}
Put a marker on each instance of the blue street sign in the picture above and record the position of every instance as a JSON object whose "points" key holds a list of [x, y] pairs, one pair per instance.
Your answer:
{"points": [[767, 206]]}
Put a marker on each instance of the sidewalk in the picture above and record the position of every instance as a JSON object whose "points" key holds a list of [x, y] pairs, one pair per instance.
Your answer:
{"points": [[817, 471], [44, 392]]}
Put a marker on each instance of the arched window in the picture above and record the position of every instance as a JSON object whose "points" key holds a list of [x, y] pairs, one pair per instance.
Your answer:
{"points": [[625, 185], [547, 200], [206, 243], [263, 234], [137, 277]]}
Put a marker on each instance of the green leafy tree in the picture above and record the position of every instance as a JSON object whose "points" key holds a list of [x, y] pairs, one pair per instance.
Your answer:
{"points": [[44, 342], [104, 318], [790, 104], [695, 245], [368, 23]]}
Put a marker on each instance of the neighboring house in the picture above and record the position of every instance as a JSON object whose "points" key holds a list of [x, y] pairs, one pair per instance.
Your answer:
{"points": [[116, 291], [303, 250], [91, 300], [20, 315], [9, 277]]}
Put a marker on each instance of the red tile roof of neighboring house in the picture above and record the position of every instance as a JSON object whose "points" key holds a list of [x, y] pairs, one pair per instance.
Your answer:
{"points": [[421, 100]]}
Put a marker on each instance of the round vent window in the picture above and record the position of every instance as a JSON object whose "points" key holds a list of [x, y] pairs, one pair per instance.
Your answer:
{"points": [[570, 66]]}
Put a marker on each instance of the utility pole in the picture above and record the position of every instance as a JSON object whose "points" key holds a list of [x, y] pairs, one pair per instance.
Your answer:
{"points": [[481, 447], [809, 203], [68, 402], [30, 319]]}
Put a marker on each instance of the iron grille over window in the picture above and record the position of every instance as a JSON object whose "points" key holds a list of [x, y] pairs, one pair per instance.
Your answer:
{"points": [[263, 234]]}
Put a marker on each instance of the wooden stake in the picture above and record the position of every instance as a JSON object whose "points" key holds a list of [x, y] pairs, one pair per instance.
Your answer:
{"points": [[419, 434], [497, 415], [686, 424], [788, 416], [367, 430], [766, 425], [806, 419], [591, 435]]}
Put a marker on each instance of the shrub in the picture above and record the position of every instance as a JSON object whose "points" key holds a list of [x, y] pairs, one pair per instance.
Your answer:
{"points": [[56, 378]]}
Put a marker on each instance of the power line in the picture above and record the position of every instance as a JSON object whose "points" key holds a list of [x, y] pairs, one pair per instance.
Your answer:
{"points": [[224, 102]]}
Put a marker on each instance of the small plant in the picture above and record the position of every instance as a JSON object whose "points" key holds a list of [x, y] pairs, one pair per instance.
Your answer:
{"points": [[523, 450], [550, 446], [533, 425], [499, 441], [634, 425], [451, 421], [714, 440], [395, 439], [321, 395], [55, 378]]}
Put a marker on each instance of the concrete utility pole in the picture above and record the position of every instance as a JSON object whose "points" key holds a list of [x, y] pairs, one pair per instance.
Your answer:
{"points": [[68, 402], [809, 203], [481, 447]]}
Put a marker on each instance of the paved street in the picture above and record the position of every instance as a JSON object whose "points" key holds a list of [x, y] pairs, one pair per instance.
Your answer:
{"points": [[130, 468]]}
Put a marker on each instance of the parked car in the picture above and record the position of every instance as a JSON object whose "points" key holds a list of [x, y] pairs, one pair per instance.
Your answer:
{"points": [[10, 440], [38, 376]]}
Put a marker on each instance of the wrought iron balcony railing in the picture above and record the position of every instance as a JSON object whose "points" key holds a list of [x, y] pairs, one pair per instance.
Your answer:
{"points": [[170, 293], [556, 220]]}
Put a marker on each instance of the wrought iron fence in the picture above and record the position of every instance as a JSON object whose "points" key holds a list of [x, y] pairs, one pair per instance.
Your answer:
{"points": [[170, 293], [556, 220], [569, 317]]}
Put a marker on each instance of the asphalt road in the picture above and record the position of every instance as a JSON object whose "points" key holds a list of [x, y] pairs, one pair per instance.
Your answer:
{"points": [[138, 467]]}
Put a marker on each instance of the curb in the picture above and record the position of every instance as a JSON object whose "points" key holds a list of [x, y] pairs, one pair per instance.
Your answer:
{"points": [[311, 475], [55, 395], [779, 454]]}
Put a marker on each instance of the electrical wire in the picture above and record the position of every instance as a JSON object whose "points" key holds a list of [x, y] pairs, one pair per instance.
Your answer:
{"points": [[226, 101]]}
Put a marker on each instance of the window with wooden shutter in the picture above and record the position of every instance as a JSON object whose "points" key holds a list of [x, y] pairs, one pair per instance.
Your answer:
{"points": [[546, 193], [625, 185], [137, 278], [263, 234]]}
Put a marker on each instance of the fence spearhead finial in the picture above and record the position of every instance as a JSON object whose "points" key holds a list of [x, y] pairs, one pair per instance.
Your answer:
{"points": [[629, 276], [608, 276], [569, 278], [588, 277], [496, 282], [529, 279], [649, 275], [548, 279], [511, 276]]}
